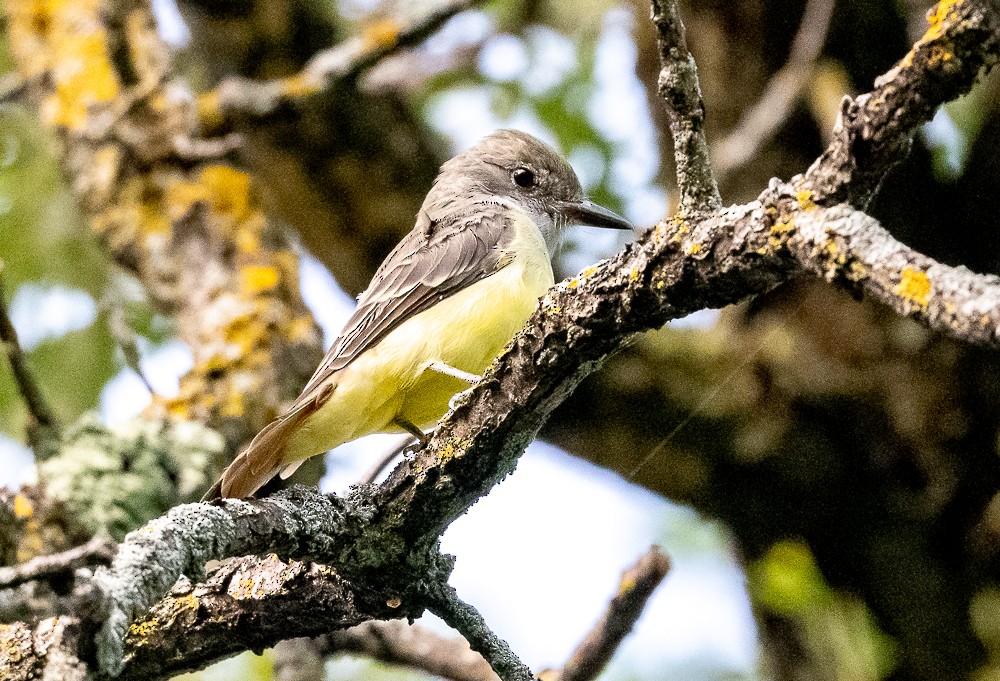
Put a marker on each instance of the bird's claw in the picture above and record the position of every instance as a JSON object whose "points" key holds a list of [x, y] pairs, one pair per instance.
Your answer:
{"points": [[458, 398]]}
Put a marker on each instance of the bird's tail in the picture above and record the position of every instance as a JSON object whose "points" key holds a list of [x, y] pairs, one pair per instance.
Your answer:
{"points": [[260, 461]]}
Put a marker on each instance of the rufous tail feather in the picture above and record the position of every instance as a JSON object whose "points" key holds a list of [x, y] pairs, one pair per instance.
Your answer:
{"points": [[260, 461]]}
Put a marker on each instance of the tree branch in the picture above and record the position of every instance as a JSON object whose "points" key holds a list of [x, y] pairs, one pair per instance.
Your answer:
{"points": [[465, 619], [762, 119], [191, 227], [875, 130], [596, 650], [396, 642], [98, 551], [43, 433], [680, 91], [381, 540], [244, 97]]}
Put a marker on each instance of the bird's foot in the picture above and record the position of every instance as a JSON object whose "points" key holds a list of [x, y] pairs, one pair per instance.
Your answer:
{"points": [[458, 398]]}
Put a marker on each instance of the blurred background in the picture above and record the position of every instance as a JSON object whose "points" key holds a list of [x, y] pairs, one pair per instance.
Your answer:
{"points": [[822, 473]]}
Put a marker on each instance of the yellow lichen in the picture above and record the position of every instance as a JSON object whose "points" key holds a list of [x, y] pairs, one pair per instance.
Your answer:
{"points": [[248, 241], [626, 585], [299, 86], [781, 231], [257, 278], [23, 507], [572, 283], [938, 19], [382, 33], [209, 109], [914, 286], [229, 190], [83, 77], [633, 274], [804, 199], [588, 272], [301, 329], [141, 630], [691, 249]]}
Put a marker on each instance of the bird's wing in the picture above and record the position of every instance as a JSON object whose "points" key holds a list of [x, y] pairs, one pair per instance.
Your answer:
{"points": [[427, 266], [430, 264]]}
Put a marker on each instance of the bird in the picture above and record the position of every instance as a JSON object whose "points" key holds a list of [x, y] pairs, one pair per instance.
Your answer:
{"points": [[439, 309]]}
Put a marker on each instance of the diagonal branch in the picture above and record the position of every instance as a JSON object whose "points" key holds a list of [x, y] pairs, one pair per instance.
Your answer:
{"points": [[680, 91], [596, 650], [446, 604], [42, 431], [875, 130], [244, 97], [759, 123]]}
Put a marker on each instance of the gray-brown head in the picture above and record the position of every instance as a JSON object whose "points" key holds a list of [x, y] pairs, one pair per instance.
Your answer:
{"points": [[513, 167]]}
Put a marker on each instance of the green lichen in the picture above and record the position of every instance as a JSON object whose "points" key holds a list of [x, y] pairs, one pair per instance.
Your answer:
{"points": [[116, 478]]}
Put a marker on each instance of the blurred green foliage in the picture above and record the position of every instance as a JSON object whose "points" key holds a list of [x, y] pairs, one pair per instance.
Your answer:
{"points": [[45, 242]]}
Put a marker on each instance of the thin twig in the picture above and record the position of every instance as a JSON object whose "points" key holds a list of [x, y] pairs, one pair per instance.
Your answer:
{"points": [[42, 429], [637, 585], [467, 621], [385, 459], [396, 642], [298, 659], [341, 62], [12, 87], [98, 551], [679, 89], [760, 122]]}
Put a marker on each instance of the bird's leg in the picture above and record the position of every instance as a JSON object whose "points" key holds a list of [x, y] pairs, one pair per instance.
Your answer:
{"points": [[449, 370], [422, 437]]}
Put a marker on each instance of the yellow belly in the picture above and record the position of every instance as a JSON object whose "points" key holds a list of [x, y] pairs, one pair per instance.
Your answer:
{"points": [[466, 331]]}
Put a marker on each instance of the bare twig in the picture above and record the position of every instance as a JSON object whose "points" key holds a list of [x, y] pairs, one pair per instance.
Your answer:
{"points": [[679, 88], [242, 96], [595, 651], [98, 551], [298, 659], [396, 642], [42, 429], [465, 619], [12, 87], [759, 123], [385, 459]]}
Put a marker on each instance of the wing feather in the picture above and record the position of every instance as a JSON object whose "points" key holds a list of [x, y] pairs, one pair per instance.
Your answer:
{"points": [[422, 270], [427, 266]]}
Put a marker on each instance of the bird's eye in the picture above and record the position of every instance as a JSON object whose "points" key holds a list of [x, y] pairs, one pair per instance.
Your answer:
{"points": [[523, 177]]}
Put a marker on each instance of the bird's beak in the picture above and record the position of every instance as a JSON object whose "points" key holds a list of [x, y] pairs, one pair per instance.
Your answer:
{"points": [[586, 212]]}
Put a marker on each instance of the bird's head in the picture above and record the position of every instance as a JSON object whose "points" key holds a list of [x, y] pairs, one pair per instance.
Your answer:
{"points": [[515, 168]]}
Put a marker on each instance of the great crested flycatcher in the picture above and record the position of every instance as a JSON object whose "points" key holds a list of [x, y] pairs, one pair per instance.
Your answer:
{"points": [[440, 308]]}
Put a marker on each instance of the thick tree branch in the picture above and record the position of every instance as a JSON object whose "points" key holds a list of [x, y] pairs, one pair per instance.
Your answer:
{"points": [[874, 131], [679, 88], [190, 226], [244, 97]]}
